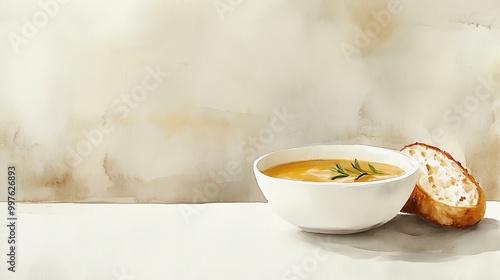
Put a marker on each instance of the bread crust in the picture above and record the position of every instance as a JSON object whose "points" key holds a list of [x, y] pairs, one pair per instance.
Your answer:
{"points": [[423, 205]]}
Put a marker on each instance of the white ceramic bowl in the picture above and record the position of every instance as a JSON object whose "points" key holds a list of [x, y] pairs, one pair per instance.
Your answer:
{"points": [[334, 207]]}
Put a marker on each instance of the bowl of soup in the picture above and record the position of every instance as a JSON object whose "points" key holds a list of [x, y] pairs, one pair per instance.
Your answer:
{"points": [[336, 189]]}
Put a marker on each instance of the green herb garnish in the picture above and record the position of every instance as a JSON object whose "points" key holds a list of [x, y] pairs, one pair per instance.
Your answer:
{"points": [[358, 171], [338, 169]]}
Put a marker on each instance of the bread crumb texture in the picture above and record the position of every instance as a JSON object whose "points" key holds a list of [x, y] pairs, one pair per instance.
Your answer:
{"points": [[442, 178]]}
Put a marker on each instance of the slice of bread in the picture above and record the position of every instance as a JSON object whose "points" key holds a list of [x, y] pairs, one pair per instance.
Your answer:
{"points": [[446, 194]]}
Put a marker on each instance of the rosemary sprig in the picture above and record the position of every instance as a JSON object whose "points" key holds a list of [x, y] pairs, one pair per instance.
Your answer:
{"points": [[340, 170], [358, 171]]}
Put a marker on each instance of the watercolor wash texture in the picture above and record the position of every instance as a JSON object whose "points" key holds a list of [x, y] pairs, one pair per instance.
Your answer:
{"points": [[171, 101]]}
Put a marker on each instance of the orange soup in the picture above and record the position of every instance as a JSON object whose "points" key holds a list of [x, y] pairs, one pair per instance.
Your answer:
{"points": [[334, 170]]}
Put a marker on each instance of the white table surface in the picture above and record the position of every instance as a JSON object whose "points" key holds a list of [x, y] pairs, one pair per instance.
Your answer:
{"points": [[236, 241]]}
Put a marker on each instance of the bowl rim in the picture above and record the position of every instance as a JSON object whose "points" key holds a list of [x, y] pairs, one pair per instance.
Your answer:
{"points": [[413, 170]]}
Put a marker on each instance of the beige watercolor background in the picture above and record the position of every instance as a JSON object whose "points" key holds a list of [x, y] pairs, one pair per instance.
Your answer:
{"points": [[171, 101]]}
